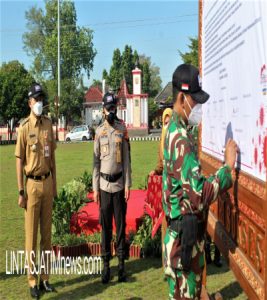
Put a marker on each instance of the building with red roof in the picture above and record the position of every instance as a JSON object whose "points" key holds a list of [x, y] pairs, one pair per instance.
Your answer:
{"points": [[93, 106], [131, 108]]}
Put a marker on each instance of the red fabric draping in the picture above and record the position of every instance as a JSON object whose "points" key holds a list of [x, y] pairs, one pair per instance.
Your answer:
{"points": [[153, 206], [87, 219]]}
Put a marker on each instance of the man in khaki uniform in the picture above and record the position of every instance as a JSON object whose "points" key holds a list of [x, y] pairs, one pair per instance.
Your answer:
{"points": [[35, 158], [112, 182]]}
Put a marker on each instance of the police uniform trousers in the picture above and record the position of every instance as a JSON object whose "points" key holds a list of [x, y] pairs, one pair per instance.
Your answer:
{"points": [[39, 210], [112, 204]]}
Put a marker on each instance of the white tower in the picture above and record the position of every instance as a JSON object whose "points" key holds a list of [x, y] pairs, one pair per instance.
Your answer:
{"points": [[137, 83]]}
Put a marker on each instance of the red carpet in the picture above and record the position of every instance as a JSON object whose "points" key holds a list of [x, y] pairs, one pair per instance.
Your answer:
{"points": [[86, 220]]}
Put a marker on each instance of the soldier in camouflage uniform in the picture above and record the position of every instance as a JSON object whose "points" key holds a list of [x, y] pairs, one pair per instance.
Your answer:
{"points": [[186, 193]]}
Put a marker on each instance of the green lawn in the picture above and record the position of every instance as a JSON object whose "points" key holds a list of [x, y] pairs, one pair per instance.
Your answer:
{"points": [[145, 276]]}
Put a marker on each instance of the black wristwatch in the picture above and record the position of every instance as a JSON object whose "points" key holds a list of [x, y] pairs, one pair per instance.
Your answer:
{"points": [[21, 192]]}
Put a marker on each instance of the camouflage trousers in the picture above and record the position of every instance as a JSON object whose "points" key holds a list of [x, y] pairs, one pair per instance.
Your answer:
{"points": [[182, 285]]}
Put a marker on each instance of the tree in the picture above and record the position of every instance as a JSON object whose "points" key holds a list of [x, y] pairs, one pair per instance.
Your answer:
{"points": [[115, 73], [146, 77], [15, 81], [191, 57], [155, 80], [122, 67], [97, 83], [152, 111], [128, 65], [76, 46], [105, 74]]}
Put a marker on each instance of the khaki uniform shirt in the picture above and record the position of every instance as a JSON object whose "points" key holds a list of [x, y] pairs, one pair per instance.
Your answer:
{"points": [[111, 156], [36, 145]]}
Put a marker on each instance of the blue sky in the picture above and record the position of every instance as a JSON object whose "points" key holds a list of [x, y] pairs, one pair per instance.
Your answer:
{"points": [[154, 28]]}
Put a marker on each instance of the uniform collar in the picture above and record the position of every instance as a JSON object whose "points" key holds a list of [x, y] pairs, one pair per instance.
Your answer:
{"points": [[178, 120], [108, 126], [35, 120]]}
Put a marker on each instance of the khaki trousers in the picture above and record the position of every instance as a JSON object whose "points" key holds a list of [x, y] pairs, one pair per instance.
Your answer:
{"points": [[39, 210]]}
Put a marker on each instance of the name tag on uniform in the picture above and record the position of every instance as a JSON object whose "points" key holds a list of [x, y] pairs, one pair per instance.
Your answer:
{"points": [[46, 151]]}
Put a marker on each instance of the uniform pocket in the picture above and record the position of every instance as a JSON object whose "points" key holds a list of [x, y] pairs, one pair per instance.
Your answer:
{"points": [[172, 259], [104, 149], [32, 144]]}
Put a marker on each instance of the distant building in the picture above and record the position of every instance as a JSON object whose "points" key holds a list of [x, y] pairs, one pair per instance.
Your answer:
{"points": [[137, 107], [163, 100], [164, 97], [132, 108], [93, 106]]}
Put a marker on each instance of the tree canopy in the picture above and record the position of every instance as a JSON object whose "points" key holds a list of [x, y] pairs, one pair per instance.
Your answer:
{"points": [[15, 81], [76, 48], [122, 66], [191, 57]]}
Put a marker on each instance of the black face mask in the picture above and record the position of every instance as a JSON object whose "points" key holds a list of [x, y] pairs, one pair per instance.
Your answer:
{"points": [[111, 117]]}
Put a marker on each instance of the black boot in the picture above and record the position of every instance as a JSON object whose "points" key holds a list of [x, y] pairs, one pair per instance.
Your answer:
{"points": [[217, 257], [35, 293], [207, 253], [46, 286], [106, 272], [121, 271]]}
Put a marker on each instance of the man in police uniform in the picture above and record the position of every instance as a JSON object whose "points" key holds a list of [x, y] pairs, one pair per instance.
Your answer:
{"points": [[35, 158], [187, 194], [112, 182]]}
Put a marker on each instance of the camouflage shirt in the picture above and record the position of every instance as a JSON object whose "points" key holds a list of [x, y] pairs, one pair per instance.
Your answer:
{"points": [[185, 190]]}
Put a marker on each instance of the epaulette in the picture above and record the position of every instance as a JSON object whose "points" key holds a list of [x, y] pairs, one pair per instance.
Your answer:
{"points": [[25, 121], [122, 126], [46, 118]]}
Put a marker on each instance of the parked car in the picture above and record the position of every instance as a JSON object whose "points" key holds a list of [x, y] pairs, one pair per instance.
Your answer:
{"points": [[79, 133]]}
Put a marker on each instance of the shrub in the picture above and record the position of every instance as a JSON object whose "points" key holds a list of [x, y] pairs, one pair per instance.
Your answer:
{"points": [[70, 199], [144, 240], [87, 180], [68, 240]]}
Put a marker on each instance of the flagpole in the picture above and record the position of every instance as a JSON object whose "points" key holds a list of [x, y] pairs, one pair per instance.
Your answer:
{"points": [[58, 65]]}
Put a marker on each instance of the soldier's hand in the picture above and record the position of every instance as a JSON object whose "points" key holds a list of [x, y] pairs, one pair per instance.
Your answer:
{"points": [[230, 153], [96, 196], [22, 202], [127, 194], [152, 173]]}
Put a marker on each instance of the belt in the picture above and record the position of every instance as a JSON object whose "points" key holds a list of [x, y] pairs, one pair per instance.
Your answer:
{"points": [[39, 178], [111, 178]]}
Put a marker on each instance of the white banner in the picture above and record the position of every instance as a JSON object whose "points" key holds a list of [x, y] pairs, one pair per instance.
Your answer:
{"points": [[234, 71]]}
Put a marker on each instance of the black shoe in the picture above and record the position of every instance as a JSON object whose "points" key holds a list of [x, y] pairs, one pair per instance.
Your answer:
{"points": [[121, 275], [208, 258], [35, 293], [46, 286], [217, 263], [106, 275]]}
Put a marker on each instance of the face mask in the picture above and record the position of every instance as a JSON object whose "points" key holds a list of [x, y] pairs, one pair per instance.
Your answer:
{"points": [[110, 117], [195, 115], [38, 108]]}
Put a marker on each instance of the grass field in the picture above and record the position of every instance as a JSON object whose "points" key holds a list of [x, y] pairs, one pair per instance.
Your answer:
{"points": [[145, 276]]}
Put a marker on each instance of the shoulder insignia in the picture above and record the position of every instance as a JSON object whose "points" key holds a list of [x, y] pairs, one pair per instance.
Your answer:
{"points": [[46, 118], [25, 121]]}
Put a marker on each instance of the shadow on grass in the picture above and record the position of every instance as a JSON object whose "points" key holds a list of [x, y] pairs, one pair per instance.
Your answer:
{"points": [[4, 276], [94, 285], [214, 270], [231, 291]]}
